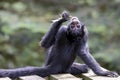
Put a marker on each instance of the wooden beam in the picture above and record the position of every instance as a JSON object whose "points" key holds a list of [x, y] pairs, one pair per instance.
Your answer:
{"points": [[32, 77], [63, 77], [6, 78]]}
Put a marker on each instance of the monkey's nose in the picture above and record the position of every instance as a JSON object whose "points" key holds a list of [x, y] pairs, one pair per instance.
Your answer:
{"points": [[75, 28]]}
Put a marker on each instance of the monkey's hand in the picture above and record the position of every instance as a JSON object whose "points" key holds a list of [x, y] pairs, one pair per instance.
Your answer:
{"points": [[109, 73], [65, 16], [112, 74]]}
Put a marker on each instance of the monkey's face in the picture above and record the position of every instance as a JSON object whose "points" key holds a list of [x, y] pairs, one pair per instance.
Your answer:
{"points": [[75, 27]]}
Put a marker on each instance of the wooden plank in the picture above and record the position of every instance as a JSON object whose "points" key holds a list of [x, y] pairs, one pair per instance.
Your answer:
{"points": [[91, 76], [63, 77], [32, 77], [71, 79], [6, 78]]}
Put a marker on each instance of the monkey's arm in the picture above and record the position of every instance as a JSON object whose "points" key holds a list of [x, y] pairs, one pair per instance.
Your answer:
{"points": [[91, 62], [49, 37]]}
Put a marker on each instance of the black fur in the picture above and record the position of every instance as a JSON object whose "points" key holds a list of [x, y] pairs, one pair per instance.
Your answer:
{"points": [[63, 44]]}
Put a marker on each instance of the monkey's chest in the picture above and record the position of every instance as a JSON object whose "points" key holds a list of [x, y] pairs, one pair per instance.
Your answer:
{"points": [[67, 53]]}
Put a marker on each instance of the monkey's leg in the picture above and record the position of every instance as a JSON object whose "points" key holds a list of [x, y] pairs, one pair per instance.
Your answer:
{"points": [[77, 68], [14, 73]]}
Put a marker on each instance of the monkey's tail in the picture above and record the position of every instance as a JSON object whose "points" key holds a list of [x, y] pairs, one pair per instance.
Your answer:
{"points": [[15, 73]]}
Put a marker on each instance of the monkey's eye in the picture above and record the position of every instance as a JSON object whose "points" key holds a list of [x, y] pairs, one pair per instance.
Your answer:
{"points": [[72, 26], [78, 26]]}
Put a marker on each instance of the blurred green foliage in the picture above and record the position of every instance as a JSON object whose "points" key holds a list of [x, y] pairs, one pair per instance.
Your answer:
{"points": [[23, 23]]}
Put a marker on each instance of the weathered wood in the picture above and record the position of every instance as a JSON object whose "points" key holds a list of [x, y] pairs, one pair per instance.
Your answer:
{"points": [[64, 77], [32, 77], [86, 76], [91, 76], [5, 78]]}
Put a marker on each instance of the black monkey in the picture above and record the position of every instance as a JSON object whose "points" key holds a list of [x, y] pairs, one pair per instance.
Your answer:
{"points": [[63, 44]]}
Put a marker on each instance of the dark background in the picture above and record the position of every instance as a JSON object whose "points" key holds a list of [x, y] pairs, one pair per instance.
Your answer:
{"points": [[24, 22]]}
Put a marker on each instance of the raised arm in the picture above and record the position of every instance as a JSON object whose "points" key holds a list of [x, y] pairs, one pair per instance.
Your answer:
{"points": [[49, 37], [85, 55]]}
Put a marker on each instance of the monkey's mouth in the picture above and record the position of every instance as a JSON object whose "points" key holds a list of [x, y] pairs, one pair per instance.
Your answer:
{"points": [[76, 33]]}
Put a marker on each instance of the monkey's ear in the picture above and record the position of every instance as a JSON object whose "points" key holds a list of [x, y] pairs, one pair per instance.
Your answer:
{"points": [[84, 29], [83, 26]]}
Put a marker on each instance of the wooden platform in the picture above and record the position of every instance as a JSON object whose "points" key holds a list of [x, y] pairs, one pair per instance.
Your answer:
{"points": [[87, 76], [91, 76]]}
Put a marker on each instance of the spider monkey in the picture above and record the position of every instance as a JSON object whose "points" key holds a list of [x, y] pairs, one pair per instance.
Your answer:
{"points": [[63, 44]]}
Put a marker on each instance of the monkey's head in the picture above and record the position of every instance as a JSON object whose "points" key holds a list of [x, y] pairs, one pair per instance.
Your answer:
{"points": [[75, 27]]}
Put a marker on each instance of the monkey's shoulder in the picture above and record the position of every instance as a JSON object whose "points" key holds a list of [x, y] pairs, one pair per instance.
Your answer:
{"points": [[61, 32], [62, 29]]}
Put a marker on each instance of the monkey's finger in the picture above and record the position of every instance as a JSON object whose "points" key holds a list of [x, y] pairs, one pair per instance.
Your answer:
{"points": [[113, 74]]}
